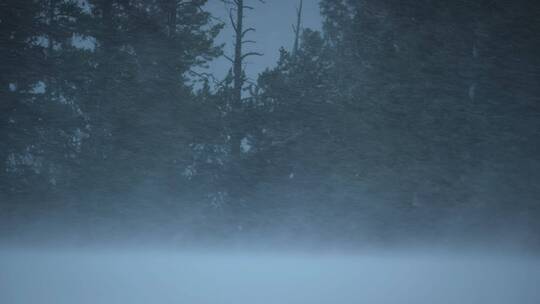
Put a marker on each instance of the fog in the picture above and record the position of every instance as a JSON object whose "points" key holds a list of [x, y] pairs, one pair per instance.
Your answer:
{"points": [[150, 276], [276, 151]]}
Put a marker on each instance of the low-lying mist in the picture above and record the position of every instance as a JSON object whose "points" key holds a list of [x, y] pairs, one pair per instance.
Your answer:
{"points": [[138, 251], [133, 275]]}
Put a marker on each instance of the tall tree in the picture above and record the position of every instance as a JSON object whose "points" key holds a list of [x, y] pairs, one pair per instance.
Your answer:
{"points": [[236, 176], [140, 101], [240, 32], [297, 28], [41, 122]]}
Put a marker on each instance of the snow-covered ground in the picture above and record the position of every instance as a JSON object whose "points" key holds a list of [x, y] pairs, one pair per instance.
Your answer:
{"points": [[130, 277]]}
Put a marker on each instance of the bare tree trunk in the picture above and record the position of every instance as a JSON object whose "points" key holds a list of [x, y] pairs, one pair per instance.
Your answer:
{"points": [[296, 28], [236, 136], [236, 179], [240, 32]]}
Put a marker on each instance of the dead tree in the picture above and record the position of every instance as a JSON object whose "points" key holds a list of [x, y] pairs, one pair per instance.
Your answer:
{"points": [[297, 28], [237, 23], [237, 178]]}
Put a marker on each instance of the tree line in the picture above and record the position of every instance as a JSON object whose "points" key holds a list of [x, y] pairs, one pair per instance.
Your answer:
{"points": [[420, 117]]}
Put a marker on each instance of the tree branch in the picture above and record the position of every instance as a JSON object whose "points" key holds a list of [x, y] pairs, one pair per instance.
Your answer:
{"points": [[247, 31], [228, 58], [232, 21], [251, 54]]}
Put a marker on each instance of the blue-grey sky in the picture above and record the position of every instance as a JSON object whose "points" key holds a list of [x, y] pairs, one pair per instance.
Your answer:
{"points": [[273, 21]]}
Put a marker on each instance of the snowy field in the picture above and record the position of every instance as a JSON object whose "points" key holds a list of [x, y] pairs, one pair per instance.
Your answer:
{"points": [[131, 277]]}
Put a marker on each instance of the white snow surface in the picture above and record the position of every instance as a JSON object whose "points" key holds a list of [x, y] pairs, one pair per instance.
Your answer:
{"points": [[137, 276]]}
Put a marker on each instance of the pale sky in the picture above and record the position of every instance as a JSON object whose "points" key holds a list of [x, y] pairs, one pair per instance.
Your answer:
{"points": [[273, 23]]}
